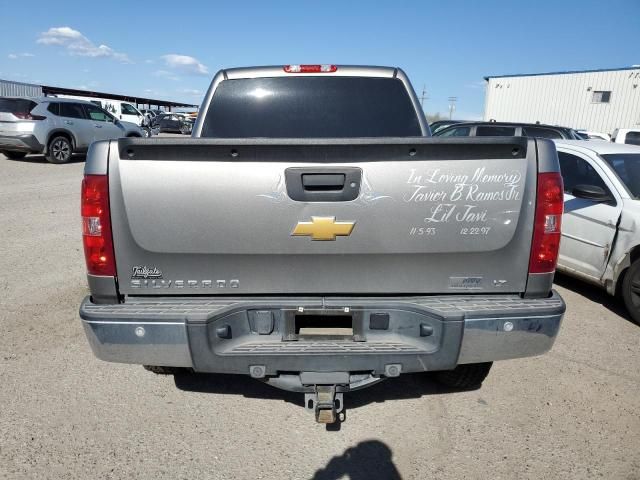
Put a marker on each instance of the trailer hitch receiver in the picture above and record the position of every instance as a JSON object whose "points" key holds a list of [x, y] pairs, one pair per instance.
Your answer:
{"points": [[326, 403]]}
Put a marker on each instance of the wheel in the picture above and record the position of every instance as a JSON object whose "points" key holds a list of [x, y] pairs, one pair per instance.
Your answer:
{"points": [[631, 291], [146, 132], [60, 150], [14, 155], [185, 130], [465, 377]]}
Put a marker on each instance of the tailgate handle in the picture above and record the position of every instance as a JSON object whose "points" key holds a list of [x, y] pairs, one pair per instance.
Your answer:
{"points": [[323, 181], [306, 184]]}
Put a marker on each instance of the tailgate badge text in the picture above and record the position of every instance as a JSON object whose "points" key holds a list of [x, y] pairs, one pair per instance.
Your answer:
{"points": [[142, 271]]}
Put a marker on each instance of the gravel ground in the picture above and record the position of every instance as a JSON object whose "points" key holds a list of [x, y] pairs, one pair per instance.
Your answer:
{"points": [[572, 413]]}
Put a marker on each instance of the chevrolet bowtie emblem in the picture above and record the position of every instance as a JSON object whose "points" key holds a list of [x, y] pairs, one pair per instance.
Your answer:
{"points": [[323, 228]]}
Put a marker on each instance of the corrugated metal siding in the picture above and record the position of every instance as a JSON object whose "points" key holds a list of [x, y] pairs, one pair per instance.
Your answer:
{"points": [[566, 99], [17, 89]]}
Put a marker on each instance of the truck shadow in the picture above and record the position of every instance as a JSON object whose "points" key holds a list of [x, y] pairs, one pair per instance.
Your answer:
{"points": [[407, 386], [367, 460], [78, 158], [593, 293]]}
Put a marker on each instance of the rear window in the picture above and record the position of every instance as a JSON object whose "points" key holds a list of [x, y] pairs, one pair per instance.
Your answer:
{"points": [[311, 107], [541, 132], [632, 138], [19, 107], [486, 131]]}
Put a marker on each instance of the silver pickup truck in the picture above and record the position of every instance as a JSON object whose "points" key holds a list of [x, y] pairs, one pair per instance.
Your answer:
{"points": [[312, 235]]}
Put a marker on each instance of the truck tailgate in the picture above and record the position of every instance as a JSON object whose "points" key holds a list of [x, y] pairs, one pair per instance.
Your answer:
{"points": [[415, 215]]}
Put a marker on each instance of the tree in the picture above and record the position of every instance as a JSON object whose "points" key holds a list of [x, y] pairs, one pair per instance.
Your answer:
{"points": [[434, 118]]}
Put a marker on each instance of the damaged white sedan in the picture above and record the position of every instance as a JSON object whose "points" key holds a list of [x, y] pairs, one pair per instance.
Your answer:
{"points": [[601, 221]]}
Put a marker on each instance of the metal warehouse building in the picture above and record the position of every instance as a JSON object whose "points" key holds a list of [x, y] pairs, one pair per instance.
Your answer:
{"points": [[595, 100], [10, 88]]}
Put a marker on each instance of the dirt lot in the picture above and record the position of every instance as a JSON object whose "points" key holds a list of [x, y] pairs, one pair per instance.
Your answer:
{"points": [[573, 413]]}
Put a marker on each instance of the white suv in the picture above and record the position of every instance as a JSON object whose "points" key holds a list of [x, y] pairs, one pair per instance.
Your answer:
{"points": [[57, 127]]}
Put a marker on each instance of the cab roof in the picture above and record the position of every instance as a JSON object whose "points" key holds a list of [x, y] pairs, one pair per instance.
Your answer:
{"points": [[598, 146]]}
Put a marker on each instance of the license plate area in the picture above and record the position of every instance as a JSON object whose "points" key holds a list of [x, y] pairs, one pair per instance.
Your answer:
{"points": [[323, 325]]}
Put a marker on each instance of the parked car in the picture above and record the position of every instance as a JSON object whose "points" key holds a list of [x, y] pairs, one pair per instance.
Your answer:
{"points": [[601, 221], [440, 124], [504, 129], [149, 126], [124, 111], [586, 135], [630, 136], [321, 241], [150, 114], [57, 127], [174, 123]]}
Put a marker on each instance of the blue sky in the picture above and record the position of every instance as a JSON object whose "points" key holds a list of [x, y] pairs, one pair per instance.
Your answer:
{"points": [[162, 50]]}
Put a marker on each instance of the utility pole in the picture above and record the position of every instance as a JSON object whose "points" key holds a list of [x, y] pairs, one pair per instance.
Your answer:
{"points": [[452, 106], [424, 96]]}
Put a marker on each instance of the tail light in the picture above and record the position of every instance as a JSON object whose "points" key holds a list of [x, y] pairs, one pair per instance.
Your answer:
{"points": [[96, 226], [28, 116], [546, 231], [310, 68]]}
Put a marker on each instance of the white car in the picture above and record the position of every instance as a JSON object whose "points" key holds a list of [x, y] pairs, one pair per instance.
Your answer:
{"points": [[601, 221], [594, 135], [630, 136]]}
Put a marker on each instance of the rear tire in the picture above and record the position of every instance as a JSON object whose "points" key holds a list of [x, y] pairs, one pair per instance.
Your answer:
{"points": [[631, 291], [146, 132], [465, 377], [14, 155], [60, 150], [185, 130]]}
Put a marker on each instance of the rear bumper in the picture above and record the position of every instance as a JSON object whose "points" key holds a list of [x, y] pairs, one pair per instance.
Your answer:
{"points": [[235, 335], [21, 143]]}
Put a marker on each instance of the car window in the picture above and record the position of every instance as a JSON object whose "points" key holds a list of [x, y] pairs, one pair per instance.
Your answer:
{"points": [[19, 107], [128, 109], [455, 132], [97, 114], [632, 138], [497, 131], [577, 171], [540, 132], [71, 110], [54, 107], [627, 167]]}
